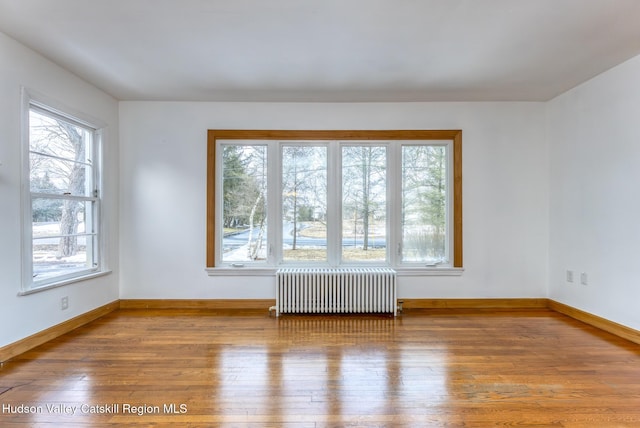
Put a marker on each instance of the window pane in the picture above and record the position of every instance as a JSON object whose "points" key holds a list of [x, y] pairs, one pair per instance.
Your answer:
{"points": [[48, 263], [55, 217], [304, 203], [60, 156], [63, 237], [54, 136], [244, 218], [57, 176], [424, 204], [364, 208]]}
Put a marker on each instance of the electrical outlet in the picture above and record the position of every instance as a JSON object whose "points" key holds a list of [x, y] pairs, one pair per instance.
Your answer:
{"points": [[64, 303], [584, 280], [569, 276]]}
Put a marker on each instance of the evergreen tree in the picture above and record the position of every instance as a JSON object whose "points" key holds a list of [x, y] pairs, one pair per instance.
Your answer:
{"points": [[42, 209]]}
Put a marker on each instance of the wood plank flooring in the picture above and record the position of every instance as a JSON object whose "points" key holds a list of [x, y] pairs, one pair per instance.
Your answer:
{"points": [[430, 368]]}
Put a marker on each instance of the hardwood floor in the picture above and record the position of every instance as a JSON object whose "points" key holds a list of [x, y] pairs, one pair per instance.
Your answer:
{"points": [[430, 368]]}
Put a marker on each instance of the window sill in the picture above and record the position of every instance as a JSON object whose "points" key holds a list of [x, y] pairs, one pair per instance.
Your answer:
{"points": [[436, 271], [270, 271], [64, 282]]}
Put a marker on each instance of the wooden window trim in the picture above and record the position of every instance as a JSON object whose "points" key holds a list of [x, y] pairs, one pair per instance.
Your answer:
{"points": [[301, 135]]}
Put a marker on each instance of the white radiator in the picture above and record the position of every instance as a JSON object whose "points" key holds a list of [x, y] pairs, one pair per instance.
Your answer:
{"points": [[336, 290]]}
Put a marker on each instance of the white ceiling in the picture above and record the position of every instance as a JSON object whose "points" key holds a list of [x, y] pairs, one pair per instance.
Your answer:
{"points": [[329, 50]]}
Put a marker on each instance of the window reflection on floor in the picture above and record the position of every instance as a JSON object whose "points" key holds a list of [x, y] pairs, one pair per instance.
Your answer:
{"points": [[335, 373]]}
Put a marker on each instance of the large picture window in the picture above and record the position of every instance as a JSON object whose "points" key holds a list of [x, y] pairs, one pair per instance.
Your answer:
{"points": [[62, 199], [334, 198]]}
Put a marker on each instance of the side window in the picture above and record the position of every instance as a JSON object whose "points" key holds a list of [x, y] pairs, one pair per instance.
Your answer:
{"points": [[63, 201], [424, 217], [244, 203]]}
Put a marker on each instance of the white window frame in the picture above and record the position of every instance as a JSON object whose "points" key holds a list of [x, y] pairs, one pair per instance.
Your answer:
{"points": [[52, 108], [451, 140]]}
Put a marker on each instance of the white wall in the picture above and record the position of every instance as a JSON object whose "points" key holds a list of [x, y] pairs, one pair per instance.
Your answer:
{"points": [[594, 135], [163, 189], [23, 316]]}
